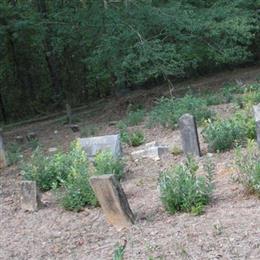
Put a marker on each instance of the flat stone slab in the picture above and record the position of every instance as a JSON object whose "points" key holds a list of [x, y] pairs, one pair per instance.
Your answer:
{"points": [[189, 135], [30, 197], [94, 145], [112, 200]]}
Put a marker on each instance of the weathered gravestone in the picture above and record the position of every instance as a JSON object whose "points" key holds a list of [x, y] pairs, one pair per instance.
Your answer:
{"points": [[189, 135], [257, 120], [30, 197], [112, 200], [93, 145], [3, 161]]}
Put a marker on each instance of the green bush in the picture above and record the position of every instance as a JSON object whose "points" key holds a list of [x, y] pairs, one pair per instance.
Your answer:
{"points": [[41, 169], [134, 117], [14, 153], [88, 130], [168, 110], [222, 135], [51, 171], [105, 163], [182, 190], [132, 138], [248, 165]]}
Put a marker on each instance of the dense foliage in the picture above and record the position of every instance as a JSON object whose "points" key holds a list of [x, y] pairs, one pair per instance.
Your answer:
{"points": [[57, 52], [182, 190]]}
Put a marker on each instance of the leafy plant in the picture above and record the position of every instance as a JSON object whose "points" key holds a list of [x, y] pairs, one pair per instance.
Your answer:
{"points": [[105, 163], [14, 153], [182, 190], [134, 117], [168, 110], [132, 138], [248, 165], [119, 252], [222, 135]]}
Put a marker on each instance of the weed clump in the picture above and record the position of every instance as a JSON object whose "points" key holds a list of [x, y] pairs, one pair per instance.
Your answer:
{"points": [[248, 166], [182, 190]]}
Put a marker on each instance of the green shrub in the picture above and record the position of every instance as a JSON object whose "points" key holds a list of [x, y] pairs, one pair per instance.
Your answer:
{"points": [[182, 190], [168, 110], [105, 163], [222, 135], [132, 138], [134, 117], [248, 165], [76, 191], [136, 138], [39, 170], [14, 153]]}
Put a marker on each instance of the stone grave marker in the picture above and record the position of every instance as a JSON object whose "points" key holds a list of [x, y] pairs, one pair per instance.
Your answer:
{"points": [[93, 145], [256, 110], [112, 200], [189, 135], [30, 197], [3, 161]]}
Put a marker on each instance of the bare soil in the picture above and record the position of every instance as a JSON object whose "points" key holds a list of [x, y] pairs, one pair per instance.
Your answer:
{"points": [[229, 228]]}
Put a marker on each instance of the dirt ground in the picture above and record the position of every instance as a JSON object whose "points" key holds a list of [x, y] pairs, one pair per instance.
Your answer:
{"points": [[229, 228]]}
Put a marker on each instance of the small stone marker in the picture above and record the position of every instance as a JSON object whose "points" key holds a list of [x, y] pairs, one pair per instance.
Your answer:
{"points": [[257, 120], [112, 200], [3, 161], [30, 198], [189, 135], [93, 145]]}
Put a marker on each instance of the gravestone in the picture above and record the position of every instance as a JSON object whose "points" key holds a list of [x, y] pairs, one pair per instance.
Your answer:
{"points": [[3, 161], [30, 198], [189, 135], [93, 145], [112, 200], [256, 110]]}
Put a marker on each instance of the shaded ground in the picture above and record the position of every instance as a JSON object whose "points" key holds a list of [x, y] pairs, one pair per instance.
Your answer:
{"points": [[229, 229]]}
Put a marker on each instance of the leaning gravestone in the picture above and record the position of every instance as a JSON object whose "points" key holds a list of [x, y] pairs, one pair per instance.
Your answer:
{"points": [[93, 145], [257, 120], [30, 198], [189, 135], [3, 161], [112, 200]]}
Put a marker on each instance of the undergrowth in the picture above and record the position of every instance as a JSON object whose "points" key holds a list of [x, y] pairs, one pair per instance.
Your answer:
{"points": [[182, 190]]}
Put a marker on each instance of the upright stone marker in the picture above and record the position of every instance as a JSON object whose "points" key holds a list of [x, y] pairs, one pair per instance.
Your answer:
{"points": [[257, 120], [113, 200], [93, 145], [189, 135], [3, 161], [30, 198]]}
